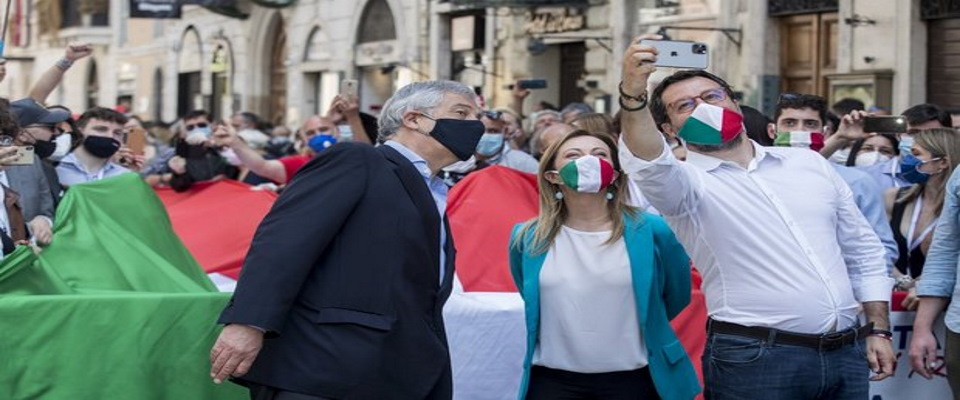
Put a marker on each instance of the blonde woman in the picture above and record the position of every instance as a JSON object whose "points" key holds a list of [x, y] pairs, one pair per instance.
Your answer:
{"points": [[914, 209], [600, 282]]}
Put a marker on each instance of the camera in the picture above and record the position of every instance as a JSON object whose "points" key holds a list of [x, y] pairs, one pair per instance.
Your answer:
{"points": [[699, 48]]}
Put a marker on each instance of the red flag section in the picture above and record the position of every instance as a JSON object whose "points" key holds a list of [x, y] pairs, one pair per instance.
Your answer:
{"points": [[483, 208], [216, 221]]}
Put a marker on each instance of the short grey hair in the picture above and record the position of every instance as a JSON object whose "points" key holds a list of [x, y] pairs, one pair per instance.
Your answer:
{"points": [[417, 96]]}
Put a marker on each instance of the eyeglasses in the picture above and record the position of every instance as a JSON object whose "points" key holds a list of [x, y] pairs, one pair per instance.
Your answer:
{"points": [[494, 115], [712, 96], [198, 125]]}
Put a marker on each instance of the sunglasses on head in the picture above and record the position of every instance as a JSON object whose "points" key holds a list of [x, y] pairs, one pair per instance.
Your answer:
{"points": [[199, 125], [494, 115]]}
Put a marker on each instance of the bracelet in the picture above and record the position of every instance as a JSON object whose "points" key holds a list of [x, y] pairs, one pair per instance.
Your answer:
{"points": [[904, 282], [63, 64], [641, 98], [624, 107], [881, 333]]}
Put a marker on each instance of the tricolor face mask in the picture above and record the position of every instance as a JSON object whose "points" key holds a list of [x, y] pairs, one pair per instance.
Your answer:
{"points": [[711, 125], [587, 174], [807, 140]]}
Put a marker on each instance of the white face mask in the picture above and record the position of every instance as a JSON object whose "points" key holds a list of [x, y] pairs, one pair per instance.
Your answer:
{"points": [[870, 158], [840, 156], [63, 142]]}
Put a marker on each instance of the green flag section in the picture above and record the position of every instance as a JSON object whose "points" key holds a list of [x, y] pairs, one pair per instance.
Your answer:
{"points": [[115, 308]]}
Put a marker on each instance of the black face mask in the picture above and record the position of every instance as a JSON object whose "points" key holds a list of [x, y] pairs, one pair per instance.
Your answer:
{"points": [[44, 148], [101, 147], [460, 136]]}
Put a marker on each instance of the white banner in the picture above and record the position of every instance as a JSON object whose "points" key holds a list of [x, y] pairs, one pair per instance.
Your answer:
{"points": [[906, 384]]}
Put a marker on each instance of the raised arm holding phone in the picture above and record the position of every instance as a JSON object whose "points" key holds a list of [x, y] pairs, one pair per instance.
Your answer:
{"points": [[764, 225]]}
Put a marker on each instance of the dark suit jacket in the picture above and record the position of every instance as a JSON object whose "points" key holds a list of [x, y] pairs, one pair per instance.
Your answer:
{"points": [[344, 274]]}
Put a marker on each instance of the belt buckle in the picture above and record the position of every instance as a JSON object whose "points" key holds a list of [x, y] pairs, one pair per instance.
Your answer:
{"points": [[832, 341]]}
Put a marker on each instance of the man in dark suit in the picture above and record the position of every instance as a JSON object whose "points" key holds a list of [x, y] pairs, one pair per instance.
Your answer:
{"points": [[342, 291]]}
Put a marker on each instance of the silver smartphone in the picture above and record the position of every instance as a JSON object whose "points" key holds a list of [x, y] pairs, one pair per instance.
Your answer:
{"points": [[680, 54]]}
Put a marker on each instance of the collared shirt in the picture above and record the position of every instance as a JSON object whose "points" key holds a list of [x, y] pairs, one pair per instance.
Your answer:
{"points": [[437, 189], [779, 244], [886, 174], [869, 199], [515, 159], [943, 258], [72, 172]]}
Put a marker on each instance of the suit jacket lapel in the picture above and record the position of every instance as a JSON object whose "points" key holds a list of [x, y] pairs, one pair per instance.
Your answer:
{"points": [[413, 183]]}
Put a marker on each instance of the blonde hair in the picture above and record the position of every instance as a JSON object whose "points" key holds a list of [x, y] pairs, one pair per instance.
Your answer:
{"points": [[941, 143], [553, 211], [594, 123]]}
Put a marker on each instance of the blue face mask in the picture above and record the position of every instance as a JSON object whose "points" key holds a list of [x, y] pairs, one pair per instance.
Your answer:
{"points": [[490, 144], [321, 142], [909, 169], [906, 142]]}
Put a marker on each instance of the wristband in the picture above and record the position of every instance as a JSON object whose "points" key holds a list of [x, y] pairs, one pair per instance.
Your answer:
{"points": [[641, 98], [64, 64], [881, 333], [624, 107]]}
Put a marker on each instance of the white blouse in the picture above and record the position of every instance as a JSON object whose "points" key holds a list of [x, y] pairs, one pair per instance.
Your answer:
{"points": [[588, 312]]}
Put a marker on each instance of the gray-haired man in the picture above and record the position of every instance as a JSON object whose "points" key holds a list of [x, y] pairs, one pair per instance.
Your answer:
{"points": [[348, 273]]}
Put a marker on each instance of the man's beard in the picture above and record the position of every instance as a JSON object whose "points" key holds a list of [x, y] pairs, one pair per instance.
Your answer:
{"points": [[711, 148]]}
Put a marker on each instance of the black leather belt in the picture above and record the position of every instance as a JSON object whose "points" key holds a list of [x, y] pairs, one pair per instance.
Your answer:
{"points": [[823, 342]]}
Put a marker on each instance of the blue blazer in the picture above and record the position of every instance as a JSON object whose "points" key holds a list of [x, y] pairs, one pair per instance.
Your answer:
{"points": [[661, 280]]}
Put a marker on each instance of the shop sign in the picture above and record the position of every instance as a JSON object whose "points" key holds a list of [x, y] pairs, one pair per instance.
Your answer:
{"points": [[565, 20], [378, 53]]}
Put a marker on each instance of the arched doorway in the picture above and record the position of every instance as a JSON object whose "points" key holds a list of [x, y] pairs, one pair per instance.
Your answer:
{"points": [[93, 86], [158, 95], [189, 96], [221, 69], [277, 84], [377, 55]]}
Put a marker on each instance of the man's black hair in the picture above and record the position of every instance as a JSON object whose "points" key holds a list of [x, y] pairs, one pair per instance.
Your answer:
{"points": [[103, 114], [847, 105], [197, 114], [799, 102], [927, 112], [659, 110], [756, 123]]}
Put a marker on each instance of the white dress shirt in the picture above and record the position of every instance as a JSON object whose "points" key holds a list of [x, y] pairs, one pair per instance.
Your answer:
{"points": [[779, 244], [588, 311]]}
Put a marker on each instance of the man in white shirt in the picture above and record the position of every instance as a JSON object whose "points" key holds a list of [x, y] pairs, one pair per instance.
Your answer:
{"points": [[786, 257]]}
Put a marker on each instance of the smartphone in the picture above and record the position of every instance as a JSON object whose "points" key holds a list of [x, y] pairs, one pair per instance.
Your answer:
{"points": [[136, 140], [885, 124], [680, 54], [532, 83], [348, 87], [24, 156]]}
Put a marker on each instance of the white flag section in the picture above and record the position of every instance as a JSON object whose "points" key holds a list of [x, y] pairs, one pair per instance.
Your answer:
{"points": [[906, 384], [486, 334]]}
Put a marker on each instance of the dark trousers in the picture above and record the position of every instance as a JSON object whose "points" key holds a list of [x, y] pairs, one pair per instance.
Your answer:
{"points": [[952, 358], [554, 384], [260, 392], [738, 367]]}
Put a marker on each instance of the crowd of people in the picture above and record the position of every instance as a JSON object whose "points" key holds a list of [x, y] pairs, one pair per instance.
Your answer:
{"points": [[804, 207]]}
